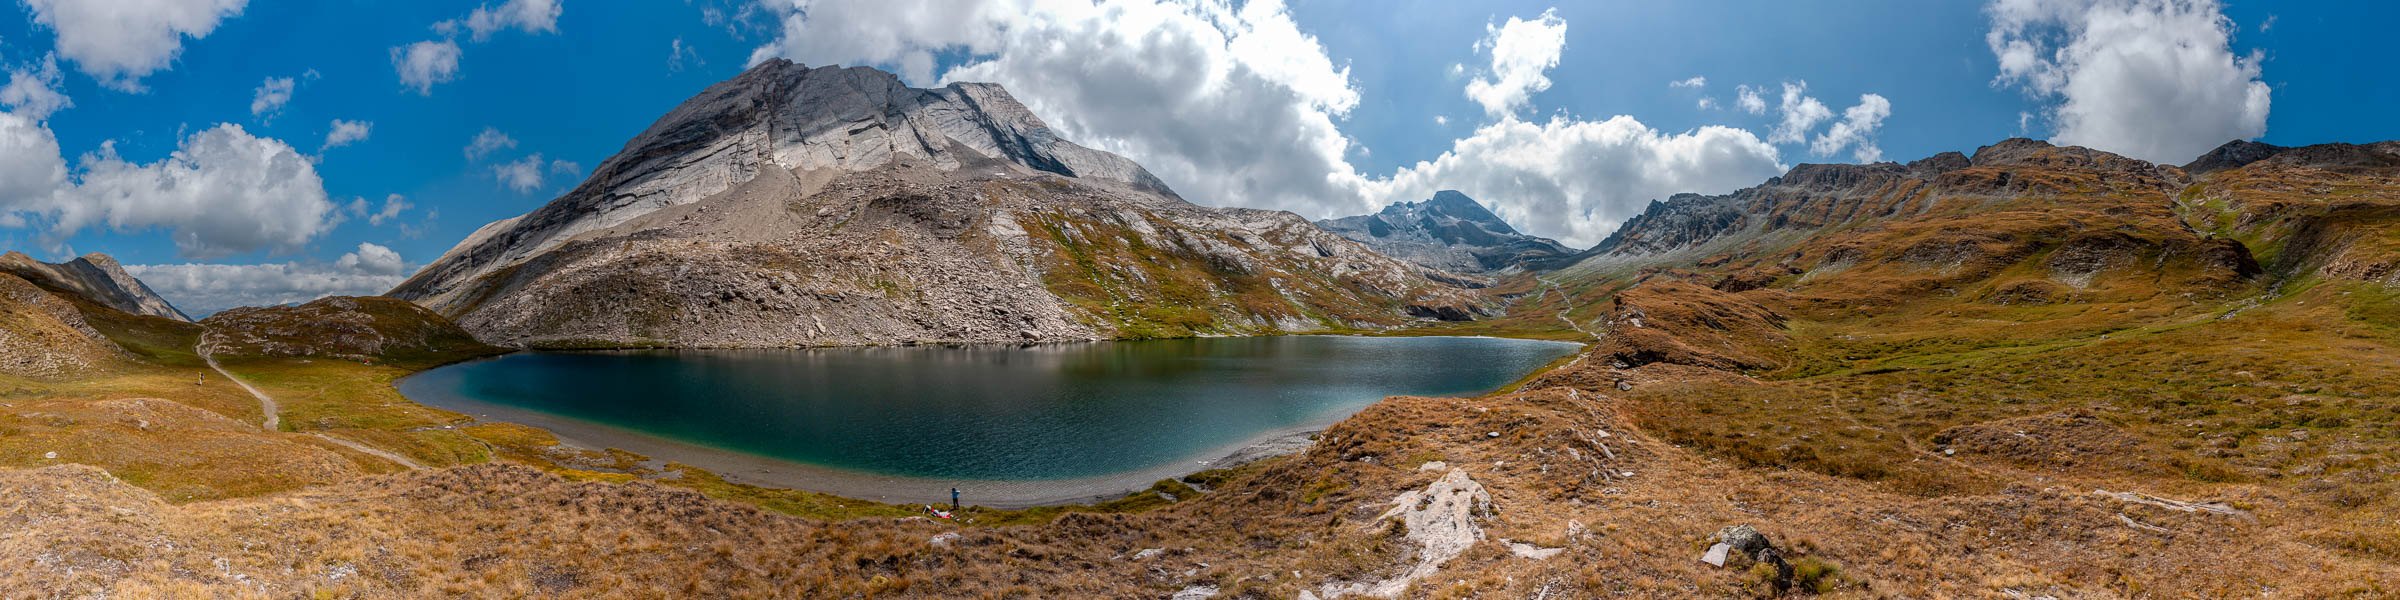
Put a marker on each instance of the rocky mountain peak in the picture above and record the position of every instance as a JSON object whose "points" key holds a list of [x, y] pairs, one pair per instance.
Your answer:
{"points": [[95, 277], [1449, 231], [2023, 152], [2233, 154], [788, 116], [793, 205]]}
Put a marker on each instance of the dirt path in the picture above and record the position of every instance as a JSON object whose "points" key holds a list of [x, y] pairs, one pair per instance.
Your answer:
{"points": [[378, 452], [265, 404], [1549, 286]]}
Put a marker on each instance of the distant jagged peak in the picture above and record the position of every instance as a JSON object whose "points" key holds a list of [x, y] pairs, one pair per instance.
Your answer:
{"points": [[1449, 231], [95, 277], [2332, 156], [1453, 204]]}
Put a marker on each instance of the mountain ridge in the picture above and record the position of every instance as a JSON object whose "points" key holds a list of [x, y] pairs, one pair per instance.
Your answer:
{"points": [[837, 206], [1452, 232], [95, 277]]}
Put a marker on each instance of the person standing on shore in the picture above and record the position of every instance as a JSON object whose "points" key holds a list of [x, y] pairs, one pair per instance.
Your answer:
{"points": [[953, 498]]}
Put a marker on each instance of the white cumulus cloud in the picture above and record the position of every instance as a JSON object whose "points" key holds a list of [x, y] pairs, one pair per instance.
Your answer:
{"points": [[343, 133], [1522, 54], [1254, 101], [524, 176], [529, 16], [31, 169], [2152, 79], [488, 140], [32, 90], [118, 42], [423, 64], [1801, 114], [222, 192], [1856, 130], [204, 289], [1256, 105], [271, 95], [1694, 82], [1576, 180], [1747, 98]]}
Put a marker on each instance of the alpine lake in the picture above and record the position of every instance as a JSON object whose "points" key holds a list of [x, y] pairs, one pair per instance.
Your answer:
{"points": [[1052, 421]]}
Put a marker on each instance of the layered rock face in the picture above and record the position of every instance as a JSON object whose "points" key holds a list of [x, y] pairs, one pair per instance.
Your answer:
{"points": [[1450, 232], [95, 277], [833, 206]]}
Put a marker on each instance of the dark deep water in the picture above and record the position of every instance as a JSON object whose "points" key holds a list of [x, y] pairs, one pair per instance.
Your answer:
{"points": [[991, 413]]}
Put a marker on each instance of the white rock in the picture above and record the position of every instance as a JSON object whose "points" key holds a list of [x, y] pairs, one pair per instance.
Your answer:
{"points": [[1716, 554]]}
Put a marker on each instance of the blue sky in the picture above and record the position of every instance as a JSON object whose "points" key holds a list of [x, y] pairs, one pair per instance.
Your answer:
{"points": [[1335, 119]]}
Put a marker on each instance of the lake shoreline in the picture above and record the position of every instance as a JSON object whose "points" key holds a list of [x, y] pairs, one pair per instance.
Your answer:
{"points": [[751, 469], [573, 429]]}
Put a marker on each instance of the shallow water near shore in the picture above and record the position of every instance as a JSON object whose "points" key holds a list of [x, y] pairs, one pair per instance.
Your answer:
{"points": [[1031, 413]]}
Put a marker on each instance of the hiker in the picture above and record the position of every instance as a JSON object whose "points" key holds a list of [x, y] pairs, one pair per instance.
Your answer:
{"points": [[953, 498], [202, 380]]}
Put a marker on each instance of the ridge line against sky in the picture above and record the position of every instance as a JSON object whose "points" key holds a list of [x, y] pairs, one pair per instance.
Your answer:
{"points": [[266, 151]]}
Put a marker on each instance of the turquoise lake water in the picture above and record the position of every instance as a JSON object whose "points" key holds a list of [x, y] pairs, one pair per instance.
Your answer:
{"points": [[989, 413]]}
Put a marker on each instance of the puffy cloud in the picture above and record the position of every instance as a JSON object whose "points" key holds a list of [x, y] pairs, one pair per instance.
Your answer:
{"points": [[32, 90], [118, 42], [204, 289], [1254, 100], [524, 176], [1747, 98], [1694, 82], [31, 169], [1256, 103], [529, 16], [1801, 114], [2151, 79], [1576, 180], [223, 192], [1857, 128], [423, 64], [393, 205], [1522, 53], [566, 167], [489, 140], [271, 96], [1707, 103], [371, 259], [344, 133]]}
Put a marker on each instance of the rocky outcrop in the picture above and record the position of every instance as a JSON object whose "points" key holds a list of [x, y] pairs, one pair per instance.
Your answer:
{"points": [[339, 327], [830, 206], [1450, 232], [43, 335], [94, 277]]}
